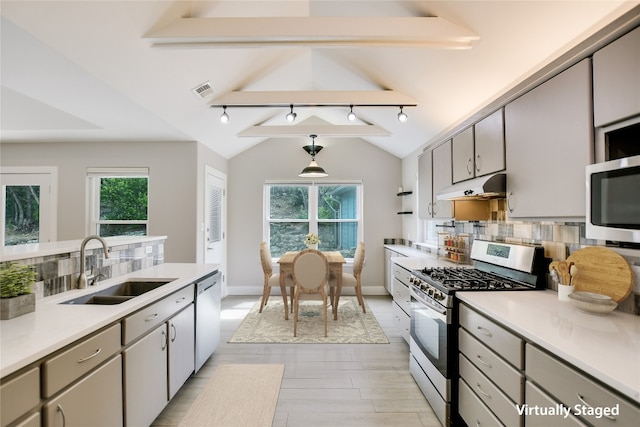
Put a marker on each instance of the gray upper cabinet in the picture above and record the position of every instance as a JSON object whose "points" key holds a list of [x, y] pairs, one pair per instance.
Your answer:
{"points": [[549, 141], [489, 144], [616, 80], [463, 155], [425, 186], [442, 178], [479, 150]]}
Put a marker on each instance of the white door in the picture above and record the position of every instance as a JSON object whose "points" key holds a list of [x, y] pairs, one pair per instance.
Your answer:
{"points": [[28, 208], [215, 220]]}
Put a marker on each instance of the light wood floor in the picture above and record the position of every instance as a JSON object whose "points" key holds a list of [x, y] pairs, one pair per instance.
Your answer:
{"points": [[333, 385]]}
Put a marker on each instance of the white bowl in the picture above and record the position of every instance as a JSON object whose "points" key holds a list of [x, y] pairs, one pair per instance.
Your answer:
{"points": [[592, 297], [601, 307]]}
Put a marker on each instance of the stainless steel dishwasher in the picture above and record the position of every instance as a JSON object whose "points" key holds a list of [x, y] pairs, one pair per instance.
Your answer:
{"points": [[208, 296]]}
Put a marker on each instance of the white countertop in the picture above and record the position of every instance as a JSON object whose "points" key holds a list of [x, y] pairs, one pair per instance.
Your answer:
{"points": [[33, 250], [415, 259], [52, 326], [606, 347]]}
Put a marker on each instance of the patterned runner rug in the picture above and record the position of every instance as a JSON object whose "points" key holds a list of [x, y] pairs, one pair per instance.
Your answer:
{"points": [[352, 327], [237, 396]]}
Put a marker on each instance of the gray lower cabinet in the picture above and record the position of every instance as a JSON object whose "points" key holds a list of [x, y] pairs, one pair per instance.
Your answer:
{"points": [[19, 395], [96, 400], [539, 415], [181, 349], [401, 301], [491, 382], [549, 142], [145, 373]]}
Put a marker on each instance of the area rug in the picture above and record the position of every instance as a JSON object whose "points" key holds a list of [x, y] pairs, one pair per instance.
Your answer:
{"points": [[269, 327], [237, 395]]}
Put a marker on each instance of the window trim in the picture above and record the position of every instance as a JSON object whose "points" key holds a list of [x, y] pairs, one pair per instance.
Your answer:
{"points": [[93, 190], [313, 201]]}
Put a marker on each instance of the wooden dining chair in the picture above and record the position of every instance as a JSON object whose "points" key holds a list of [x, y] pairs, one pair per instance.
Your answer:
{"points": [[352, 280], [270, 278], [310, 276]]}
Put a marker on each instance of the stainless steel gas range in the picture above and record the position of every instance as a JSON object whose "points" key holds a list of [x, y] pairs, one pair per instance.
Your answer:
{"points": [[434, 318]]}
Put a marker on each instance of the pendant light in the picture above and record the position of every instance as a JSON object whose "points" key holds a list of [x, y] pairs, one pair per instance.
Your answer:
{"points": [[313, 170]]}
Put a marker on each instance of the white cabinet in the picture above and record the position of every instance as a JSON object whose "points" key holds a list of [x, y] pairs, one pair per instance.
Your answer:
{"points": [[577, 391], [18, 395], [401, 300], [425, 186], [95, 401], [181, 348], [479, 149], [463, 155], [549, 141], [490, 363], [145, 373], [442, 178], [616, 80]]}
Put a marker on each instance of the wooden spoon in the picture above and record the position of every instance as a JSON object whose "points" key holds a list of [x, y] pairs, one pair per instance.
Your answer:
{"points": [[573, 270]]}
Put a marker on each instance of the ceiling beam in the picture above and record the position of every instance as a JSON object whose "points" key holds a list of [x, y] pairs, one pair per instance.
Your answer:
{"points": [[315, 31], [321, 130], [326, 98]]}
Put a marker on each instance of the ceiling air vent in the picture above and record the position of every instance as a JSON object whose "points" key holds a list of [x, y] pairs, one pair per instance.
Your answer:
{"points": [[203, 90]]}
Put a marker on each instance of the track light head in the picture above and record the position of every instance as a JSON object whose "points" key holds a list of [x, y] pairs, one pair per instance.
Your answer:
{"points": [[291, 116], [351, 116], [224, 117], [402, 117]]}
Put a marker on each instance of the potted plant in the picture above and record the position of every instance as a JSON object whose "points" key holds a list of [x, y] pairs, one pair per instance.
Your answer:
{"points": [[16, 298]]}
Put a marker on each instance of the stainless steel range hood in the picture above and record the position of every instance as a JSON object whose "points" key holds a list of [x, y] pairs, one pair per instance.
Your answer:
{"points": [[484, 187]]}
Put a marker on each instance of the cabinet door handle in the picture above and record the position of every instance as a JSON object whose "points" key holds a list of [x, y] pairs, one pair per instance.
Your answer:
{"points": [[175, 332], [164, 340], [481, 360], [478, 163], [429, 209], [485, 331], [84, 359], [150, 318], [180, 300], [482, 391], [469, 164], [64, 419], [509, 196], [584, 402]]}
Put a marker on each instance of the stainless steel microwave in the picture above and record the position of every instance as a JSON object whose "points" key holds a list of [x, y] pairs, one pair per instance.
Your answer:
{"points": [[613, 200]]}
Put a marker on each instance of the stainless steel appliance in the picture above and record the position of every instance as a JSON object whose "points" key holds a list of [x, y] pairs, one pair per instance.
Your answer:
{"points": [[613, 205], [208, 297], [434, 326]]}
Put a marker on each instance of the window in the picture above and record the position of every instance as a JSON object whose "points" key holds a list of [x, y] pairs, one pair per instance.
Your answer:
{"points": [[333, 211], [118, 201]]}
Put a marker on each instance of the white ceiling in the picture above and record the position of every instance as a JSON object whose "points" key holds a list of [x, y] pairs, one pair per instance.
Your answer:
{"points": [[88, 70]]}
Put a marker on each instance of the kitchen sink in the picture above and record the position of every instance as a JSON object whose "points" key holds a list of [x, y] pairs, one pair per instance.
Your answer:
{"points": [[120, 293]]}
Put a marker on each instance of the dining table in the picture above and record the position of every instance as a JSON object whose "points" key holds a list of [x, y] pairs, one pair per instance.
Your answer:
{"points": [[335, 261]]}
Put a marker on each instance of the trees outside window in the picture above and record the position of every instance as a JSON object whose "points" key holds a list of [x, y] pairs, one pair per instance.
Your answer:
{"points": [[333, 211]]}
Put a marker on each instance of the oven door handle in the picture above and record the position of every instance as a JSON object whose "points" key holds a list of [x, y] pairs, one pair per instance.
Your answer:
{"points": [[439, 313]]}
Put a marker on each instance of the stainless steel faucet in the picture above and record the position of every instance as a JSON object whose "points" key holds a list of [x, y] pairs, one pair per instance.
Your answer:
{"points": [[82, 280]]}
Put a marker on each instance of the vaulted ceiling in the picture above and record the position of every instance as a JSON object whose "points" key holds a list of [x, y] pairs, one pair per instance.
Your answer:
{"points": [[101, 71]]}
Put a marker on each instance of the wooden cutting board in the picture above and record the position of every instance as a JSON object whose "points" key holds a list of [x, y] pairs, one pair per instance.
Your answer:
{"points": [[602, 271]]}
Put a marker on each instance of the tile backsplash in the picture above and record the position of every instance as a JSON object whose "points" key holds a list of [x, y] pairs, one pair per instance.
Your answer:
{"points": [[59, 273]]}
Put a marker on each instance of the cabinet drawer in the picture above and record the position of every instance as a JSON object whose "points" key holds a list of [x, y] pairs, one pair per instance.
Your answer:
{"points": [[509, 379], [489, 393], [401, 321], [401, 296], [536, 398], [472, 410], [95, 401], [32, 421], [576, 391], [401, 274], [79, 359], [503, 342], [149, 317], [18, 395]]}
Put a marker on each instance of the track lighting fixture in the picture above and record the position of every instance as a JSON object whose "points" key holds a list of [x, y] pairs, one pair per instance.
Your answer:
{"points": [[224, 117], [291, 116], [402, 117], [313, 170], [351, 116]]}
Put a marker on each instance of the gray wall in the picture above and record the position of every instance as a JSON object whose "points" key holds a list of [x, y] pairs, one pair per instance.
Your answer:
{"points": [[283, 159], [173, 192]]}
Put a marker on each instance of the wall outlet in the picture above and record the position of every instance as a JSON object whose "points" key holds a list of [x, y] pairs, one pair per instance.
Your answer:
{"points": [[635, 269], [149, 249]]}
